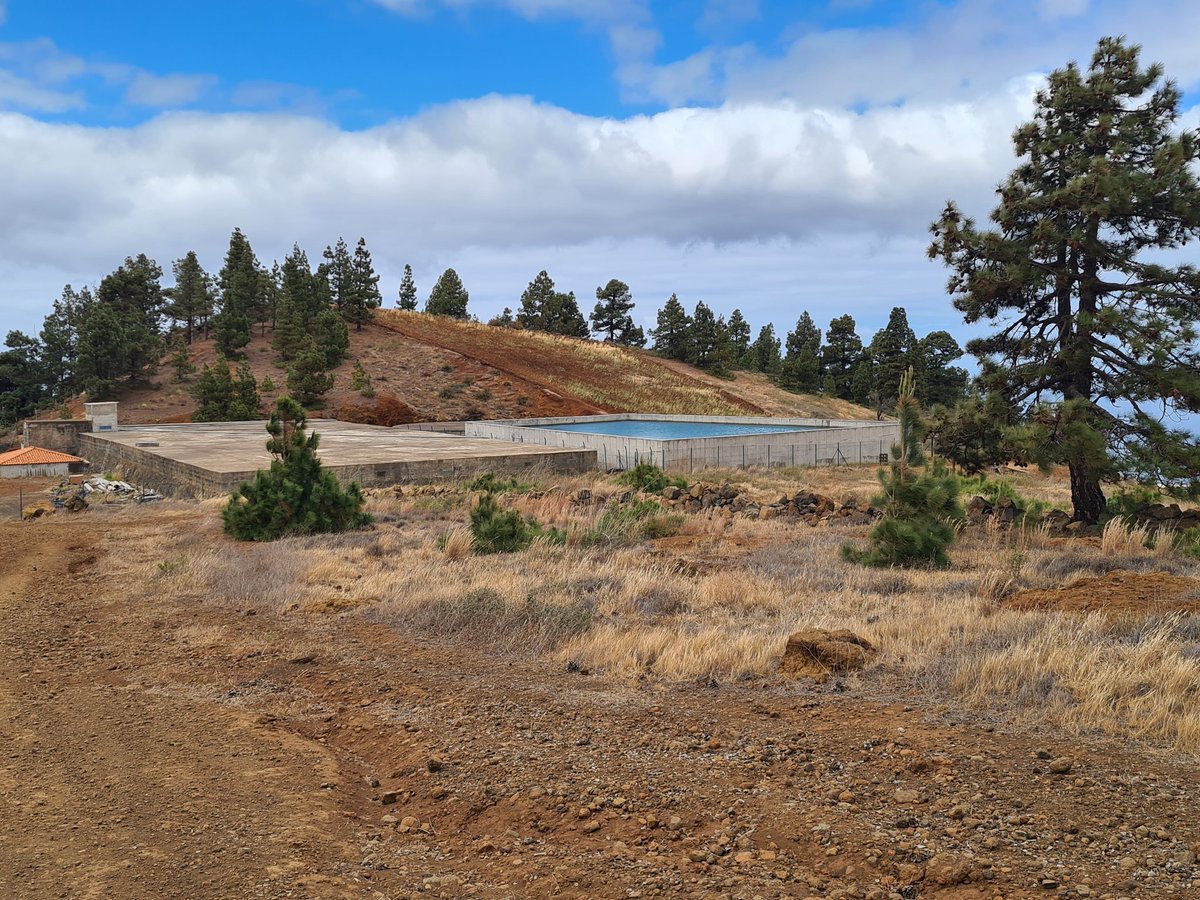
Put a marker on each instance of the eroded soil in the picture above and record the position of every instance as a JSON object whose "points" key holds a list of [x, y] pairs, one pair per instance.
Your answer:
{"points": [[157, 747]]}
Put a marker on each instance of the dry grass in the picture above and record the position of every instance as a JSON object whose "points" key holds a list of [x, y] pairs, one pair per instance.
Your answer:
{"points": [[609, 377], [720, 600]]}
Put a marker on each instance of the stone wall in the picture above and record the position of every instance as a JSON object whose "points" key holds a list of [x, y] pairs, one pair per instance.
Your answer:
{"points": [[57, 434]]}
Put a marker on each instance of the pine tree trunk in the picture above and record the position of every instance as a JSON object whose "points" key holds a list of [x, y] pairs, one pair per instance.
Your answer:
{"points": [[1087, 498]]}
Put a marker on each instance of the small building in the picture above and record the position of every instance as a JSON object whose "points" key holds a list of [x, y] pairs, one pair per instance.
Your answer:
{"points": [[34, 462]]}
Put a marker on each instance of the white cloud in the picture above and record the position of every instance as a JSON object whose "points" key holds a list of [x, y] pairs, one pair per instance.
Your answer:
{"points": [[742, 192], [147, 89], [38, 75], [955, 51], [21, 93]]}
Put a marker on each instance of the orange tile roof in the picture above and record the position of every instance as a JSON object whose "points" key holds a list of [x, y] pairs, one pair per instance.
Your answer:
{"points": [[35, 456]]}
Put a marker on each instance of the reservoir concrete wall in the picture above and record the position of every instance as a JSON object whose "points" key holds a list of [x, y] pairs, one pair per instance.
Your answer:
{"points": [[830, 442]]}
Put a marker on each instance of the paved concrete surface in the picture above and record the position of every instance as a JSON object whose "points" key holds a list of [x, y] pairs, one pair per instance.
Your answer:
{"points": [[241, 446]]}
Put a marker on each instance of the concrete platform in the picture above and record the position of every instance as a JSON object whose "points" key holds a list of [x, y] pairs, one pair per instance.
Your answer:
{"points": [[204, 460]]}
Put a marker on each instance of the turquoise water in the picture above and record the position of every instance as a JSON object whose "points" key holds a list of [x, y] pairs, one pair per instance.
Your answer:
{"points": [[671, 431]]}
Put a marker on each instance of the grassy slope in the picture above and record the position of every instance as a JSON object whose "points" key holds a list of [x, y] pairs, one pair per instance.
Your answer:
{"points": [[450, 370]]}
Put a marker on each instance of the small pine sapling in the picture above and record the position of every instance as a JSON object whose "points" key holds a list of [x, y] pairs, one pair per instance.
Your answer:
{"points": [[295, 495], [919, 501]]}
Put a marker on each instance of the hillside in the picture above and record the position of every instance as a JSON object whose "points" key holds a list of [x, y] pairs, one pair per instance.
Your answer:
{"points": [[443, 369]]}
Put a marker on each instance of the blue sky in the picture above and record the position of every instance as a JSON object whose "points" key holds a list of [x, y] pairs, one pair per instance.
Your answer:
{"points": [[769, 156]]}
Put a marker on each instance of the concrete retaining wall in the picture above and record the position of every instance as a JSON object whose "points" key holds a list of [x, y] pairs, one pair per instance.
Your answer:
{"points": [[186, 481], [832, 442]]}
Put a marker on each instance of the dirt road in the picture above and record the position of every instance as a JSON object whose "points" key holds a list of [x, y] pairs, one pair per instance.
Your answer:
{"points": [[156, 747]]}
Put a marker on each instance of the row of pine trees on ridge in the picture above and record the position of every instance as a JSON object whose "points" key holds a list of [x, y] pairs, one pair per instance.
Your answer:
{"points": [[94, 341]]}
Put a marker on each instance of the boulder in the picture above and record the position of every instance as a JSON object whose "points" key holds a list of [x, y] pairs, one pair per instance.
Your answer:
{"points": [[978, 510], [817, 653], [670, 492]]}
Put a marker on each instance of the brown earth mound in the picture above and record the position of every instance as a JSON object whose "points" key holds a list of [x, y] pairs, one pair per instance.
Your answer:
{"points": [[818, 653], [1118, 592]]}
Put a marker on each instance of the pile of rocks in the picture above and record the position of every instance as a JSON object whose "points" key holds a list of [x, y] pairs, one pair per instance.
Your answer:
{"points": [[728, 500], [1161, 515]]}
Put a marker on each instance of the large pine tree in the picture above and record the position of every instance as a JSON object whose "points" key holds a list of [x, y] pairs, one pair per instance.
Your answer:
{"points": [[801, 368], [1092, 320], [134, 294], [241, 287], [893, 350], [764, 354], [673, 334], [611, 318], [364, 298], [704, 337], [738, 331], [534, 300], [190, 301], [842, 352], [448, 297]]}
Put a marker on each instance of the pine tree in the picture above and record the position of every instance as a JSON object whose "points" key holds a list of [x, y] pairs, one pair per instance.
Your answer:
{"points": [[534, 300], [976, 433], [801, 368], [60, 341], [135, 296], [842, 353], [21, 387], [611, 316], [504, 320], [359, 307], [1091, 320], [180, 359], [764, 352], [307, 378], [220, 397], [408, 290], [562, 316], [190, 301], [739, 338], [919, 507], [339, 272], [331, 337], [704, 336], [295, 495], [938, 381], [673, 334], [299, 304], [893, 350], [448, 297], [101, 352], [240, 289]]}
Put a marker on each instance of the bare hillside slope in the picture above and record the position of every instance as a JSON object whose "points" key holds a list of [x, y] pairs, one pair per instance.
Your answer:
{"points": [[442, 369]]}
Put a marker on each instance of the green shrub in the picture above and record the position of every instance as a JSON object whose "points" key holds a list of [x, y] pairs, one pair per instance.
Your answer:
{"points": [[1125, 501], [295, 495], [497, 530], [1029, 510], [490, 483], [650, 478], [1187, 542], [626, 523]]}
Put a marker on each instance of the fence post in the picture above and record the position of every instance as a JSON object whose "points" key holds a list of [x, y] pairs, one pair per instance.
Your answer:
{"points": [[743, 456], [689, 460], [768, 456]]}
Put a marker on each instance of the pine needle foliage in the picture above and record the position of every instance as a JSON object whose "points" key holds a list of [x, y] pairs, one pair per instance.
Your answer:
{"points": [[919, 500], [295, 496], [497, 530]]}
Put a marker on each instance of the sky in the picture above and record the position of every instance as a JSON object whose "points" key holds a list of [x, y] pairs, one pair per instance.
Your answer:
{"points": [[770, 156]]}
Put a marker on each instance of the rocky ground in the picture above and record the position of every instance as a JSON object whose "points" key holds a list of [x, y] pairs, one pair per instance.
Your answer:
{"points": [[152, 746]]}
